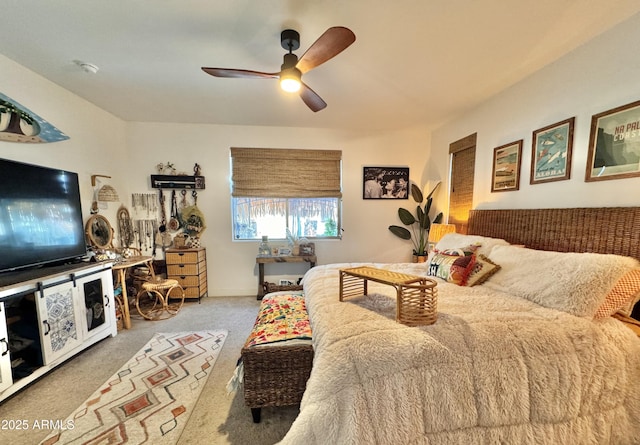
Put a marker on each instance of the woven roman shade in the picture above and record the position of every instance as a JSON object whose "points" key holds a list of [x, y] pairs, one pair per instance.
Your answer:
{"points": [[463, 162], [285, 173]]}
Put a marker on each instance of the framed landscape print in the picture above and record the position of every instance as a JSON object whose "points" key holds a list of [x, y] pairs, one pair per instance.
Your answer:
{"points": [[614, 144], [506, 167], [385, 182], [551, 152]]}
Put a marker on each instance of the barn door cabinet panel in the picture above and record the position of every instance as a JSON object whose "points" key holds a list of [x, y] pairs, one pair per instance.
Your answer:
{"points": [[97, 305], [59, 317], [5, 359], [189, 268]]}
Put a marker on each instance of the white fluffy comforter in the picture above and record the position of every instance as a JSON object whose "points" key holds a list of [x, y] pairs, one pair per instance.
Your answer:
{"points": [[494, 369]]}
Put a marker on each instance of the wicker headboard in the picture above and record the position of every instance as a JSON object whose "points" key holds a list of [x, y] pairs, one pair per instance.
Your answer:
{"points": [[598, 229]]}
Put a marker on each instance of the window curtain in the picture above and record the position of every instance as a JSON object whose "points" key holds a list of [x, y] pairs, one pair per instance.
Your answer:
{"points": [[285, 173]]}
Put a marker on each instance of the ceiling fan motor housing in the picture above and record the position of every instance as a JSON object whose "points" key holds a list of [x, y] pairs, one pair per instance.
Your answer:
{"points": [[290, 39], [290, 61]]}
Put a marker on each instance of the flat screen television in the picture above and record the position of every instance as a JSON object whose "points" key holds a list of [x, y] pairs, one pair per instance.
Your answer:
{"points": [[40, 216]]}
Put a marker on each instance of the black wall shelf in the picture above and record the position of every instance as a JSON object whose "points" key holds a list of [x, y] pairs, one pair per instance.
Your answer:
{"points": [[177, 182]]}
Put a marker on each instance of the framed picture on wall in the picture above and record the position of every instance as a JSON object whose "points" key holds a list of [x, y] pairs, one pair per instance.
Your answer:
{"points": [[385, 182], [506, 167], [307, 249], [614, 144], [551, 152]]}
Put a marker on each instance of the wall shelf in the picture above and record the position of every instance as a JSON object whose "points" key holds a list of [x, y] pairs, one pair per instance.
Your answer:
{"points": [[177, 182]]}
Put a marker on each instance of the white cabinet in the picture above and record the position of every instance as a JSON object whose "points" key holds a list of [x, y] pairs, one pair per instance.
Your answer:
{"points": [[5, 358], [96, 304], [48, 319]]}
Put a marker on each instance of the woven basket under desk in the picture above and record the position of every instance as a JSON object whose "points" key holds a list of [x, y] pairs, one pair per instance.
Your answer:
{"points": [[275, 375], [272, 287]]}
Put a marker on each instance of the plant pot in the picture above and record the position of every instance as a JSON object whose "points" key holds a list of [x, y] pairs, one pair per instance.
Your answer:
{"points": [[420, 258]]}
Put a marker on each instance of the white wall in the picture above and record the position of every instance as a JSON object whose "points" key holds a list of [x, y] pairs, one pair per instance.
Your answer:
{"points": [[598, 76], [96, 144], [231, 264]]}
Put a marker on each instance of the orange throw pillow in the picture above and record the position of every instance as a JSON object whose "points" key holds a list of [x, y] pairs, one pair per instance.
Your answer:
{"points": [[622, 296]]}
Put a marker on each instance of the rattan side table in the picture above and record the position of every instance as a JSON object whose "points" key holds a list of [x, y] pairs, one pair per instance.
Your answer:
{"points": [[417, 297], [153, 300]]}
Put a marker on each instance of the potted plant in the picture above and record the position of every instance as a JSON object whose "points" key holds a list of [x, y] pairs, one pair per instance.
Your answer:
{"points": [[419, 224]]}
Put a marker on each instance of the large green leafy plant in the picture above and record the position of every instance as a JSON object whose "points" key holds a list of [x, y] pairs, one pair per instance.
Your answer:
{"points": [[420, 223]]}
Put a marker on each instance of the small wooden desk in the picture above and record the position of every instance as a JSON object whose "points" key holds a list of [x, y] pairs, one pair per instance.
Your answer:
{"points": [[416, 296], [121, 269], [262, 260]]}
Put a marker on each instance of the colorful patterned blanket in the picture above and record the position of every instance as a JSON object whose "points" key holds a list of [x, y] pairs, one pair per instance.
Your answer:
{"points": [[281, 317]]}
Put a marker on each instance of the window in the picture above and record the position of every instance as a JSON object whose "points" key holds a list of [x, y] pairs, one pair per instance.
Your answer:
{"points": [[278, 189], [304, 217]]}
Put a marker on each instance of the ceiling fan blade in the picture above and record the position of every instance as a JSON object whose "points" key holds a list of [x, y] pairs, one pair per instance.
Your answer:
{"points": [[311, 98], [330, 44], [245, 74]]}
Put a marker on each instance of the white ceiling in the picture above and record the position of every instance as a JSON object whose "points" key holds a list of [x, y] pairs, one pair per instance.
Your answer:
{"points": [[414, 61]]}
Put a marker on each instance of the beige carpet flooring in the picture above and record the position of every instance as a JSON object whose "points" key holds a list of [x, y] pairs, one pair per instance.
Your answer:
{"points": [[217, 419]]}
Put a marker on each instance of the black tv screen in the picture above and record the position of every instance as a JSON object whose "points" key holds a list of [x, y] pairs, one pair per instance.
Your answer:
{"points": [[40, 216]]}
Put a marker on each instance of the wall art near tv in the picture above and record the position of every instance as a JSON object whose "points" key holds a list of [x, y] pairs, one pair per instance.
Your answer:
{"points": [[19, 124], [614, 144], [385, 182]]}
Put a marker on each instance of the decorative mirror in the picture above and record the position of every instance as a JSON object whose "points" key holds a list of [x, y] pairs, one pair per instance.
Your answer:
{"points": [[125, 227], [99, 232]]}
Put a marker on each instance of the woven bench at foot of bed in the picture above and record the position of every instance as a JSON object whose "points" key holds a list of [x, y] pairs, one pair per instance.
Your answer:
{"points": [[275, 375], [278, 355]]}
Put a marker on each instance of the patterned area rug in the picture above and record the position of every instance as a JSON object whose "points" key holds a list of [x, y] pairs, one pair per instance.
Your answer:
{"points": [[149, 400]]}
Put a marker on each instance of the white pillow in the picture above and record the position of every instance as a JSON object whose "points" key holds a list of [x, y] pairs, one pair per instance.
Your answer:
{"points": [[576, 283], [458, 240]]}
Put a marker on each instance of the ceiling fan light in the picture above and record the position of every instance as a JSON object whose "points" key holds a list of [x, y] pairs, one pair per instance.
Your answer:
{"points": [[290, 80], [290, 85]]}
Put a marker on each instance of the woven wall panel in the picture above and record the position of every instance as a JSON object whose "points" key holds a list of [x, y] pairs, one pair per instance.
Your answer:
{"points": [[286, 173], [600, 229]]}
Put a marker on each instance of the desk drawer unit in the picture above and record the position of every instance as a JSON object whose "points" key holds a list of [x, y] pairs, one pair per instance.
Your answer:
{"points": [[189, 267]]}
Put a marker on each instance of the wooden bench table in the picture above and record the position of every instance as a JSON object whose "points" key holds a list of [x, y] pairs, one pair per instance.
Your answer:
{"points": [[416, 296]]}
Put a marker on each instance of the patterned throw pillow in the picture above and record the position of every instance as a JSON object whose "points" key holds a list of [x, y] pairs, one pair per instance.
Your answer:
{"points": [[452, 268], [483, 269], [622, 297]]}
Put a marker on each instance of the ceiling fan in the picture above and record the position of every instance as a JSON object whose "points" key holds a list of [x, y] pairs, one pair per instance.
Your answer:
{"points": [[330, 44]]}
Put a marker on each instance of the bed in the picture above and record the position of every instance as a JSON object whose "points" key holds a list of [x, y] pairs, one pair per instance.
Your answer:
{"points": [[532, 355]]}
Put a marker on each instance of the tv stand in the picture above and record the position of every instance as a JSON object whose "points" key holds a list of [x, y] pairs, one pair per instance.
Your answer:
{"points": [[35, 273], [34, 302]]}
